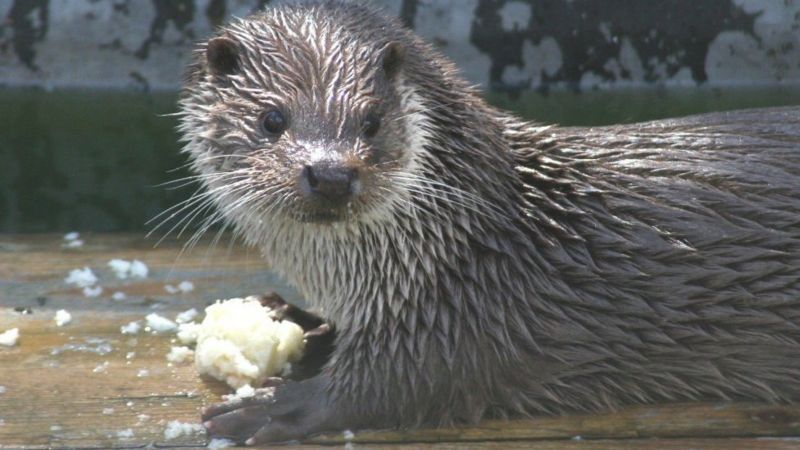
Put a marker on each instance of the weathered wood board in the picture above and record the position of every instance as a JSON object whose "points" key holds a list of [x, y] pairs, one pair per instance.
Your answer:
{"points": [[86, 385]]}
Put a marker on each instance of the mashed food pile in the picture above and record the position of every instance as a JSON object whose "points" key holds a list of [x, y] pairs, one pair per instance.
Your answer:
{"points": [[239, 343]]}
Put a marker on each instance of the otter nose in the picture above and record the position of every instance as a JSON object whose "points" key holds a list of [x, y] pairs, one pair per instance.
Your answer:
{"points": [[334, 182]]}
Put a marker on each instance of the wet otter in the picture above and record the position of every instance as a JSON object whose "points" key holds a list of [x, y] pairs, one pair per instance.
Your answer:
{"points": [[477, 265]]}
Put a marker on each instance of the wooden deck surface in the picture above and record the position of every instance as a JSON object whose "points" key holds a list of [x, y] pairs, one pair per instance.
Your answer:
{"points": [[86, 385]]}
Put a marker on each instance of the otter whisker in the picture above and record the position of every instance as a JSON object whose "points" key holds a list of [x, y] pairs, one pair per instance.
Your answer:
{"points": [[216, 217], [188, 180], [185, 203], [199, 203]]}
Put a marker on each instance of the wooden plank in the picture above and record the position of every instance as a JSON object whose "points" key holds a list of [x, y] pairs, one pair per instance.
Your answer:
{"points": [[702, 420], [63, 389], [605, 444], [86, 384]]}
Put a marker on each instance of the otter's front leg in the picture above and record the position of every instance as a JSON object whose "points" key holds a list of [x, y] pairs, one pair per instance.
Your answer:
{"points": [[287, 409], [286, 412], [318, 335]]}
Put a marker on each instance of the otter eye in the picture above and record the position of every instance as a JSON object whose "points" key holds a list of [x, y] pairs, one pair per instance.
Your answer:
{"points": [[371, 125], [273, 122]]}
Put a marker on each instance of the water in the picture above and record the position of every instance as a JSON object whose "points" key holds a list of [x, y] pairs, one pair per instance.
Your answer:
{"points": [[93, 161], [85, 160]]}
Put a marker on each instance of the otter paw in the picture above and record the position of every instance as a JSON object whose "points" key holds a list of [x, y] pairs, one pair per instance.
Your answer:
{"points": [[282, 310], [319, 336], [286, 412]]}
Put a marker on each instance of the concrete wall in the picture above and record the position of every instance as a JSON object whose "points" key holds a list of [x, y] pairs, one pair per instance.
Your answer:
{"points": [[503, 44]]}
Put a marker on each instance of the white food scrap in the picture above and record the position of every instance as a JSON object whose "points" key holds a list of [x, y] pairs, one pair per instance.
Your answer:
{"points": [[131, 328], [120, 267], [71, 236], [62, 317], [245, 391], [81, 278], [240, 344], [159, 323], [139, 269], [187, 333], [128, 269], [92, 291], [176, 429], [9, 337], [171, 289], [179, 355], [218, 443], [125, 434], [186, 316], [71, 240]]}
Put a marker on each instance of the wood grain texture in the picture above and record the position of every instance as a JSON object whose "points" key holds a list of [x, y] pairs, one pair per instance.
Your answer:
{"points": [[86, 385]]}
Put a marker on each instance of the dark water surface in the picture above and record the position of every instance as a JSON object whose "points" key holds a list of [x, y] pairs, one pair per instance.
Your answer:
{"points": [[93, 161]]}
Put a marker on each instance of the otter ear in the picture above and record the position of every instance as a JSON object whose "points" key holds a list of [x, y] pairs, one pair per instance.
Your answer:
{"points": [[222, 55], [393, 56]]}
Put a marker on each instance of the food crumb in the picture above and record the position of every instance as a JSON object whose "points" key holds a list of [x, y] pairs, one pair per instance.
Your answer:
{"points": [[120, 267], [71, 240], [128, 269], [188, 333], [90, 345], [101, 368], [92, 291], [142, 373], [176, 429], [9, 337], [108, 411], [143, 417], [186, 316], [63, 317], [82, 278], [158, 323], [130, 355], [71, 236], [77, 243], [139, 269], [171, 289], [179, 355], [131, 328], [55, 428], [2, 389], [218, 443], [186, 286], [125, 434], [118, 296], [245, 391]]}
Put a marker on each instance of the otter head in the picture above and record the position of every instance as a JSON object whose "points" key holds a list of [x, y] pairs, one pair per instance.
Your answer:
{"points": [[293, 116]]}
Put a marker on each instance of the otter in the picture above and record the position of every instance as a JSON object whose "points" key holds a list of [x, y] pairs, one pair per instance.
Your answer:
{"points": [[471, 264]]}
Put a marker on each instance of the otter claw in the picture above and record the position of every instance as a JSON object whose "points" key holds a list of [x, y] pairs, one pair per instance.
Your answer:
{"points": [[282, 310]]}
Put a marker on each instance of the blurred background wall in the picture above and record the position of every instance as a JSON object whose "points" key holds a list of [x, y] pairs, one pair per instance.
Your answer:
{"points": [[502, 44], [87, 86]]}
